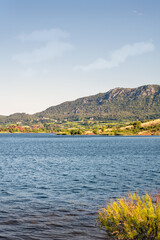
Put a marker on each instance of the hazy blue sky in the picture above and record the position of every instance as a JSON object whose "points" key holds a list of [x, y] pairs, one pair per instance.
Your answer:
{"points": [[57, 50]]}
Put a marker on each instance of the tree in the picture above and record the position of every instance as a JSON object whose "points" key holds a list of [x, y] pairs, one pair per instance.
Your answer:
{"points": [[137, 125]]}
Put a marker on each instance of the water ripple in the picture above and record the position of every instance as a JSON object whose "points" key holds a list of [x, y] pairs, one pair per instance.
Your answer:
{"points": [[52, 186]]}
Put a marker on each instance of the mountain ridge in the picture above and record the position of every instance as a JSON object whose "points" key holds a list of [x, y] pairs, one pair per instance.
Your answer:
{"points": [[106, 105], [114, 105]]}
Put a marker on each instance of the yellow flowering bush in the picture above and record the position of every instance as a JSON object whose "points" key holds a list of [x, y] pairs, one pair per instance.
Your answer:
{"points": [[133, 217]]}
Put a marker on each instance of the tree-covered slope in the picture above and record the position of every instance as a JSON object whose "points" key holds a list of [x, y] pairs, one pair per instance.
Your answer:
{"points": [[117, 104]]}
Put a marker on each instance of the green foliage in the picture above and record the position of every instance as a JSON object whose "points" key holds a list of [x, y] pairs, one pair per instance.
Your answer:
{"points": [[119, 104], [115, 105], [136, 218], [137, 125], [11, 130], [103, 129], [75, 132], [92, 127], [95, 131]]}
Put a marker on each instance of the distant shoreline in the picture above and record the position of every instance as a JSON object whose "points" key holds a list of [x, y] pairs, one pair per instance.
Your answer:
{"points": [[137, 128], [79, 135]]}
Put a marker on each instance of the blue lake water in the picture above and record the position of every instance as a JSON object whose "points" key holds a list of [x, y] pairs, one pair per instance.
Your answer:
{"points": [[51, 187]]}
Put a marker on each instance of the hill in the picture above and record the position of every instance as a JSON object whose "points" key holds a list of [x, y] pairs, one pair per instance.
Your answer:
{"points": [[119, 104], [115, 105]]}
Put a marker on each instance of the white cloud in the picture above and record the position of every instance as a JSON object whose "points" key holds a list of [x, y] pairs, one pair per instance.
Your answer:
{"points": [[53, 44], [137, 13], [44, 35], [119, 56], [48, 52]]}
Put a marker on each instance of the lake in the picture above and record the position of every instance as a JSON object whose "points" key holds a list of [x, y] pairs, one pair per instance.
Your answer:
{"points": [[51, 187]]}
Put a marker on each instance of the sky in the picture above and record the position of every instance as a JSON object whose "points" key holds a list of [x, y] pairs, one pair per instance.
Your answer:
{"points": [[53, 51]]}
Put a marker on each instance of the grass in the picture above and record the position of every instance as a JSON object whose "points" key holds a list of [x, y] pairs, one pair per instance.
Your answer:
{"points": [[82, 127], [133, 217]]}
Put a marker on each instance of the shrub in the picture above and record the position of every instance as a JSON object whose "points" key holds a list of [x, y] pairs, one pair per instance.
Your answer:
{"points": [[137, 125], [75, 132], [95, 131], [133, 217]]}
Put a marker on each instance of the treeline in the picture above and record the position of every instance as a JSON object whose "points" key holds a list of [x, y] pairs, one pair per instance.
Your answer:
{"points": [[19, 129], [89, 128]]}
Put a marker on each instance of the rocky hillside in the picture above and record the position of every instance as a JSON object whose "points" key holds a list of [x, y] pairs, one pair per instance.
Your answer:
{"points": [[117, 104]]}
